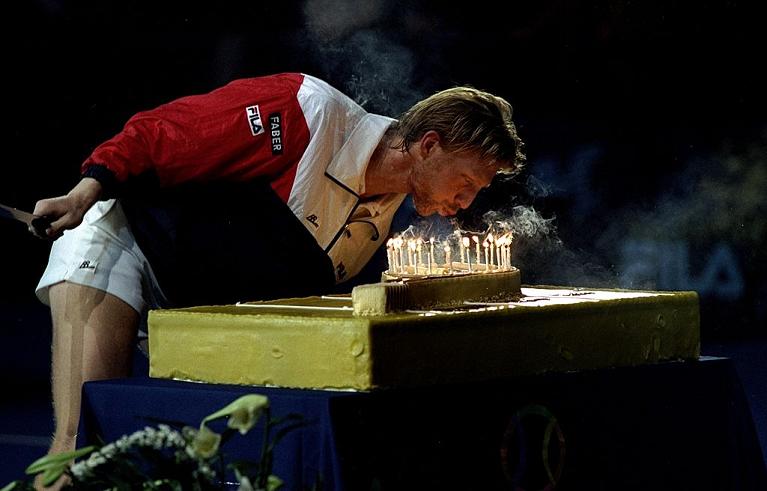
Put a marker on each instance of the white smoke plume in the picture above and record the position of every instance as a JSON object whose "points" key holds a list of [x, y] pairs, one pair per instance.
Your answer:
{"points": [[373, 69]]}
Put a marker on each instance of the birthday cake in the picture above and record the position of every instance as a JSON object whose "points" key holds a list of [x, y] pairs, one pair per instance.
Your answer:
{"points": [[398, 293], [323, 343]]}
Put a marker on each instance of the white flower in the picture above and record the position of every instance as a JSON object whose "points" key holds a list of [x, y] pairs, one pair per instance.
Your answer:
{"points": [[80, 470], [122, 444], [109, 450], [205, 470], [245, 484], [243, 412], [205, 443], [95, 460]]}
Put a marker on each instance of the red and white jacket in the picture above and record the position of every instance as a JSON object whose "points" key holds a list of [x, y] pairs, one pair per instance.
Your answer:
{"points": [[309, 140]]}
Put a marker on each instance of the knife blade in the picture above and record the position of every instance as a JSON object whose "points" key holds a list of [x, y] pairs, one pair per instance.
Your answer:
{"points": [[35, 223]]}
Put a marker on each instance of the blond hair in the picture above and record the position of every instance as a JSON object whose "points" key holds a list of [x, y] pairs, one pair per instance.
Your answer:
{"points": [[466, 119]]}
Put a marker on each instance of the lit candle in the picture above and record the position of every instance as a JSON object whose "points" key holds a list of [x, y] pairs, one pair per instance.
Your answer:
{"points": [[511, 243], [398, 245], [448, 263], [498, 257], [419, 254], [389, 255], [431, 253], [487, 262], [491, 242], [411, 256], [507, 250], [420, 251], [476, 244], [466, 243]]}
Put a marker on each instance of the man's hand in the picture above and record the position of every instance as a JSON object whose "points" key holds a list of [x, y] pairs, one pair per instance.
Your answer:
{"points": [[66, 212]]}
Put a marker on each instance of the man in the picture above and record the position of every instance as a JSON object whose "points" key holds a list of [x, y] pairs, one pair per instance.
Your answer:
{"points": [[326, 178]]}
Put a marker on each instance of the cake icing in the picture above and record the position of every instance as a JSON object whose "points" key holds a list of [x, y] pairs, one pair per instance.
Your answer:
{"points": [[318, 342]]}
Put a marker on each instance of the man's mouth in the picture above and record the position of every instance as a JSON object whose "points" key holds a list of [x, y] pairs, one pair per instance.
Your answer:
{"points": [[447, 211]]}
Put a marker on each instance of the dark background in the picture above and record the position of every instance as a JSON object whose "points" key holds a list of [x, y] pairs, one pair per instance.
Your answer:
{"points": [[644, 125]]}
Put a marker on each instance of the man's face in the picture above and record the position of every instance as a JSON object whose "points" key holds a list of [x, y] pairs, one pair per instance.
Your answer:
{"points": [[444, 182]]}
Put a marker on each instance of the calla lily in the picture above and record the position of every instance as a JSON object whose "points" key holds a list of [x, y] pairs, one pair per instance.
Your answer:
{"points": [[245, 484], [243, 412], [273, 483], [205, 443]]}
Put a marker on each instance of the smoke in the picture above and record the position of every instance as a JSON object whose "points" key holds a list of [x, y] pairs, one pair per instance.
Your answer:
{"points": [[331, 20], [540, 253], [537, 249], [524, 221], [721, 195], [371, 67], [706, 231]]}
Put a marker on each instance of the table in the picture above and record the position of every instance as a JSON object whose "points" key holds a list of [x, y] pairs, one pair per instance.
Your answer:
{"points": [[680, 425]]}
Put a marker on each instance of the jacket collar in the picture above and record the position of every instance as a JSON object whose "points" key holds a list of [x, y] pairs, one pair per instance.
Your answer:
{"points": [[348, 166]]}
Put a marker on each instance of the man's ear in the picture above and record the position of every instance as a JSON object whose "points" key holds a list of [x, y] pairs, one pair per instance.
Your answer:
{"points": [[429, 142]]}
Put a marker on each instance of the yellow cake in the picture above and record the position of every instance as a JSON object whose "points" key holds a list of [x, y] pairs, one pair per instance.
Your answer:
{"points": [[318, 342]]}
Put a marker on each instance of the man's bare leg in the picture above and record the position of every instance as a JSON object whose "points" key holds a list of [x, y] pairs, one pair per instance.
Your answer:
{"points": [[93, 338]]}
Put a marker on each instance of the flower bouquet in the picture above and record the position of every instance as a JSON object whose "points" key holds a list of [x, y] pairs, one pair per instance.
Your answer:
{"points": [[166, 458]]}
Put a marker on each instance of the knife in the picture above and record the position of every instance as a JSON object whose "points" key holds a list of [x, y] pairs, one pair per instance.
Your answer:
{"points": [[38, 225]]}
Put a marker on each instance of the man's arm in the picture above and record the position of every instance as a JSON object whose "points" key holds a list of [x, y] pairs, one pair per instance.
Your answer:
{"points": [[221, 135], [198, 138]]}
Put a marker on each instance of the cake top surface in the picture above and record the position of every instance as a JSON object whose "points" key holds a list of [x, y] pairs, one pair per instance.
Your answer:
{"points": [[340, 306]]}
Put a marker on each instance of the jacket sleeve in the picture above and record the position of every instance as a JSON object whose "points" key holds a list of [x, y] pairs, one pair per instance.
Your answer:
{"points": [[222, 135]]}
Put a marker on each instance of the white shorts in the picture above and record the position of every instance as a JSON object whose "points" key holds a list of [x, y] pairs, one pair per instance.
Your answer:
{"points": [[102, 253]]}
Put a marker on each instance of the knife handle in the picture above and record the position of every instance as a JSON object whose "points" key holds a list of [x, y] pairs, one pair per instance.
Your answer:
{"points": [[40, 225]]}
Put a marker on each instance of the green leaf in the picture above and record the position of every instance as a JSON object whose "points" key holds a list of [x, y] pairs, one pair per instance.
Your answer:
{"points": [[52, 475], [48, 461], [273, 483], [13, 485]]}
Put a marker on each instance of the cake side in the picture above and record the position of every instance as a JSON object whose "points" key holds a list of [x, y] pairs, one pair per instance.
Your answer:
{"points": [[435, 292], [210, 345], [522, 340], [317, 342]]}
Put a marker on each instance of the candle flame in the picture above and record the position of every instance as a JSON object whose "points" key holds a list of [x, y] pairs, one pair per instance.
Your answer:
{"points": [[407, 249]]}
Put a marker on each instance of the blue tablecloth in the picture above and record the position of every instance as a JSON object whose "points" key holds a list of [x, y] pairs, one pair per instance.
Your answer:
{"points": [[669, 426]]}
